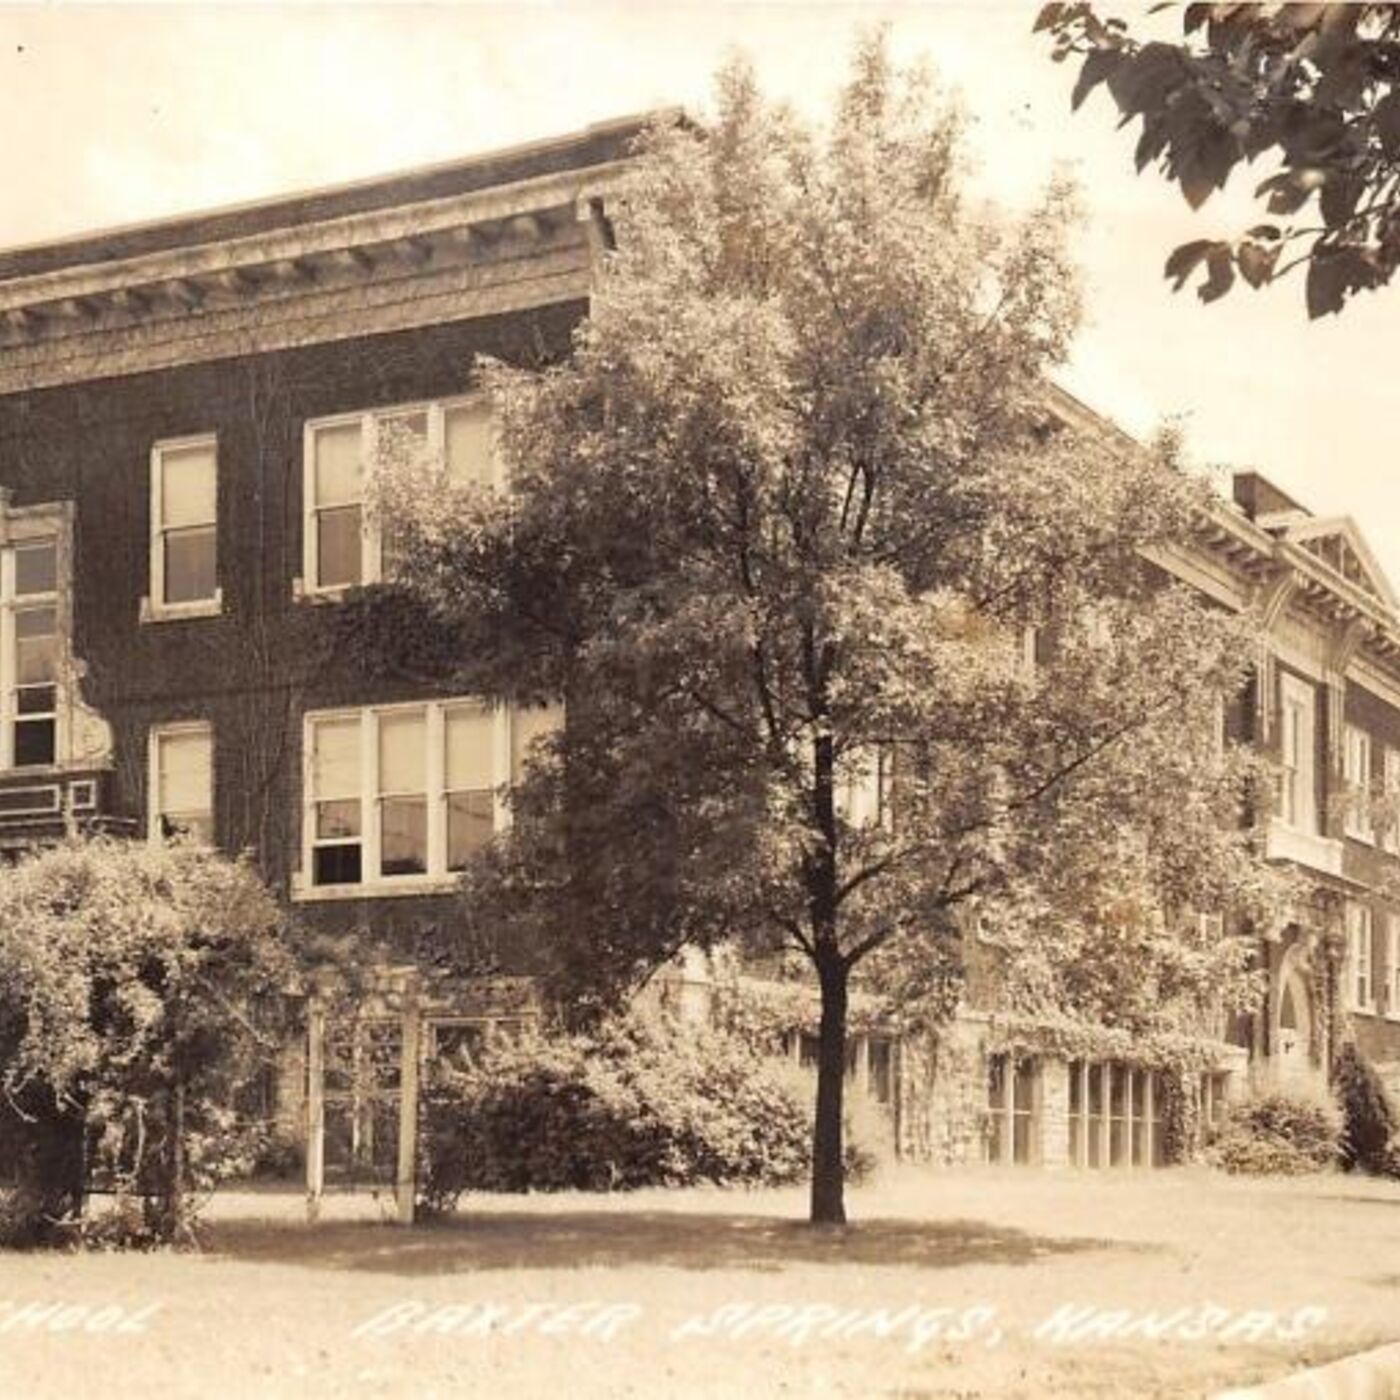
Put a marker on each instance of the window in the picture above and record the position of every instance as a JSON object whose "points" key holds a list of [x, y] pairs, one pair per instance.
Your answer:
{"points": [[181, 782], [1013, 1084], [1390, 832], [1360, 988], [864, 791], [1392, 966], [1297, 796], [470, 734], [403, 792], [29, 653], [343, 547], [184, 526], [1212, 1100], [1356, 773], [1115, 1116], [462, 1042]]}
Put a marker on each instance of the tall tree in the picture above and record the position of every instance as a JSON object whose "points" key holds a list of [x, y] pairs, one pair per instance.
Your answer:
{"points": [[782, 523], [1311, 87]]}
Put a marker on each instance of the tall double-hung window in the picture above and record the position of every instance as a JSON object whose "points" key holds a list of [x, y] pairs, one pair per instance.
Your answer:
{"points": [[29, 653], [184, 526], [1356, 773], [181, 782], [1297, 746], [343, 545]]}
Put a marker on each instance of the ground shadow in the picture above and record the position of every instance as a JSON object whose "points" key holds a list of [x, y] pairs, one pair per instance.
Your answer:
{"points": [[616, 1239]]}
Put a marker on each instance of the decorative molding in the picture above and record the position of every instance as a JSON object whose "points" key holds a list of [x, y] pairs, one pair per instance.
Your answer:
{"points": [[308, 314], [412, 224]]}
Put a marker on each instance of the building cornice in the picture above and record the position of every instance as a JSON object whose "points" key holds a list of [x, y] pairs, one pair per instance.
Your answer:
{"points": [[1274, 575], [513, 246]]}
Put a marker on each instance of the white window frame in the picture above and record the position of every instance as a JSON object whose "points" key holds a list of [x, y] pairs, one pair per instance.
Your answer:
{"points": [[1360, 986], [154, 608], [1392, 966], [1298, 753], [1390, 833], [437, 875], [29, 527], [371, 544], [1356, 775], [155, 833]]}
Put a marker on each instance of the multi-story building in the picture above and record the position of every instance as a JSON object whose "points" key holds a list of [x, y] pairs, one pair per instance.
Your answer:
{"points": [[186, 408]]}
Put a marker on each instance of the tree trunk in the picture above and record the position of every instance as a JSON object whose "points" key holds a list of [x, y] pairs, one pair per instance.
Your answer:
{"points": [[828, 1155], [170, 1222]]}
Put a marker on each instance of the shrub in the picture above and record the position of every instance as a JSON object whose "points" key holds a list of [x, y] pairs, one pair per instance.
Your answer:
{"points": [[637, 1103], [1390, 1160], [1279, 1133], [132, 982], [1370, 1118]]}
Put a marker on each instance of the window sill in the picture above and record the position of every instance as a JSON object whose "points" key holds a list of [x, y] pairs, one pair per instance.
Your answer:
{"points": [[179, 612], [1284, 842], [408, 885], [320, 597]]}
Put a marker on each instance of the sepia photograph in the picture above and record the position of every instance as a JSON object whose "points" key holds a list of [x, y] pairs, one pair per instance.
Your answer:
{"points": [[700, 700]]}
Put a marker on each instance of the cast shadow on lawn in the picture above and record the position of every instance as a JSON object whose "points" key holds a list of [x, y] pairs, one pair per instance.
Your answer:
{"points": [[615, 1239]]}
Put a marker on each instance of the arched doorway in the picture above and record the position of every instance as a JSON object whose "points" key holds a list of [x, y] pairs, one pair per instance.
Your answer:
{"points": [[1293, 1030]]}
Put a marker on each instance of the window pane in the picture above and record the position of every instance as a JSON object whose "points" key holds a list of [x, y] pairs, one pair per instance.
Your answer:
{"points": [[335, 759], [338, 547], [1139, 1093], [880, 1070], [470, 445], [1117, 1143], [339, 471], [1024, 1085], [36, 622], [187, 488], [337, 820], [1117, 1096], [35, 699], [996, 1081], [1021, 1139], [1076, 1086], [528, 723], [184, 771], [36, 567], [471, 733], [459, 1045], [403, 836], [406, 432], [189, 564], [403, 752], [1096, 1088], [34, 742], [470, 821], [36, 646], [336, 865]]}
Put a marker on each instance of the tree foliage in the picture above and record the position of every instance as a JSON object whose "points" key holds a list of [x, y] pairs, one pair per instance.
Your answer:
{"points": [[1313, 87], [134, 987], [783, 520]]}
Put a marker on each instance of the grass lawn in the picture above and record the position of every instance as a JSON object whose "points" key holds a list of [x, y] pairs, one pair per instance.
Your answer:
{"points": [[273, 1307]]}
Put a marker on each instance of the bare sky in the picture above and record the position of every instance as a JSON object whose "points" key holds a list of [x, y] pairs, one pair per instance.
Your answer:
{"points": [[115, 114]]}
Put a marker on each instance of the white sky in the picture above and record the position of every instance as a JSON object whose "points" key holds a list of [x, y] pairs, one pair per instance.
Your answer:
{"points": [[115, 114]]}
